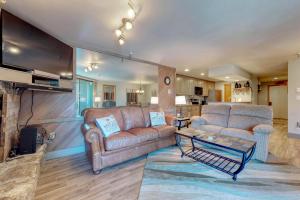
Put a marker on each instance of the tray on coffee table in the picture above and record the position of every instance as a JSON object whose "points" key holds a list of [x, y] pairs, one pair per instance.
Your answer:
{"points": [[228, 165]]}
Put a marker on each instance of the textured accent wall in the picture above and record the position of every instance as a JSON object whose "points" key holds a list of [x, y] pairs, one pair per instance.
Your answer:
{"points": [[167, 93], [55, 112]]}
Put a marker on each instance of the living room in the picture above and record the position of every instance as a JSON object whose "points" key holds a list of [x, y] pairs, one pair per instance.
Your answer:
{"points": [[154, 99]]}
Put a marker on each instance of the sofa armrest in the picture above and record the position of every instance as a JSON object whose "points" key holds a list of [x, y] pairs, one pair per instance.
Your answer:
{"points": [[170, 120], [94, 137], [263, 129], [198, 120]]}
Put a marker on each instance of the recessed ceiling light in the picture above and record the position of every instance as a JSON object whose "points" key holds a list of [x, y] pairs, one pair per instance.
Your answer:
{"points": [[275, 78], [128, 25], [131, 13], [227, 77], [118, 32], [121, 41], [202, 74], [186, 70]]}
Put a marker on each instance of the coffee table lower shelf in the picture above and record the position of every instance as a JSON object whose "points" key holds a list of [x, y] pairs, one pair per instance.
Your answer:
{"points": [[219, 162]]}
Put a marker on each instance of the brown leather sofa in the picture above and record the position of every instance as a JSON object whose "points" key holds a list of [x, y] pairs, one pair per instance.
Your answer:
{"points": [[136, 137]]}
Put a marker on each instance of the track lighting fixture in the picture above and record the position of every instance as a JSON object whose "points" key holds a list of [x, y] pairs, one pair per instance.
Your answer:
{"points": [[127, 22], [91, 67], [118, 32], [131, 13], [128, 25], [121, 41]]}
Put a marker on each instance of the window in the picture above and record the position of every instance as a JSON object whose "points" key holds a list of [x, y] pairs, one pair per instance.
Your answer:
{"points": [[85, 94]]}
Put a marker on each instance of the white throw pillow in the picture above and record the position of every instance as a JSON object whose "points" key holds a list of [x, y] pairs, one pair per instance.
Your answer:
{"points": [[108, 125], [157, 118]]}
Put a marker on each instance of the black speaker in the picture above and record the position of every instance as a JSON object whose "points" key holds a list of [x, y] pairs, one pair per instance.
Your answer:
{"points": [[27, 142]]}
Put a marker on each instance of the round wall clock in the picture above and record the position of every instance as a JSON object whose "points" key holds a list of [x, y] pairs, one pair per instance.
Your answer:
{"points": [[167, 80]]}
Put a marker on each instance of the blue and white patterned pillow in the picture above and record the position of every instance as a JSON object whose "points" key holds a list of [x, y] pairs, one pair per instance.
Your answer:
{"points": [[108, 125], [157, 118]]}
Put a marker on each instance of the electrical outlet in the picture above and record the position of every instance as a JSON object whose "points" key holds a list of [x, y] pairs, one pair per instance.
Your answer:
{"points": [[51, 136]]}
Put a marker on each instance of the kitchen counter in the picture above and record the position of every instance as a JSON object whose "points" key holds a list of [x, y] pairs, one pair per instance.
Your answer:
{"points": [[189, 110], [228, 103]]}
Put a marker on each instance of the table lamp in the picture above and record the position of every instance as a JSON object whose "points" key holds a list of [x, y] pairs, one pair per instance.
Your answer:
{"points": [[179, 101], [154, 100], [97, 101]]}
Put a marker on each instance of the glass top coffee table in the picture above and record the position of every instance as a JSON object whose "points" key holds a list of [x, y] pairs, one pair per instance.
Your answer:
{"points": [[233, 167]]}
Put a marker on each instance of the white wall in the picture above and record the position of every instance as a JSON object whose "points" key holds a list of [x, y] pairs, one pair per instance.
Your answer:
{"points": [[263, 95], [293, 96], [254, 85]]}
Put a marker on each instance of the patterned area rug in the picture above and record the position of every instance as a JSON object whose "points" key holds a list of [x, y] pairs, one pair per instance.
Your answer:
{"points": [[168, 176]]}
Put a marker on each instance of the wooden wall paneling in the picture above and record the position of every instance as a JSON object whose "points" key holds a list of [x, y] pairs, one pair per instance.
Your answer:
{"points": [[68, 135], [55, 112]]}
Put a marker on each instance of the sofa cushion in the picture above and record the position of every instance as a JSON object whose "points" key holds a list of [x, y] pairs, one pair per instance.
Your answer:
{"points": [[133, 117], [146, 113], [248, 116], [108, 125], [239, 133], [209, 128], [157, 118], [144, 134], [120, 140], [93, 113], [216, 114], [165, 130]]}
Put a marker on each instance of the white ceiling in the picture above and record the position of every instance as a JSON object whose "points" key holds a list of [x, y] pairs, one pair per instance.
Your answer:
{"points": [[114, 69], [258, 35]]}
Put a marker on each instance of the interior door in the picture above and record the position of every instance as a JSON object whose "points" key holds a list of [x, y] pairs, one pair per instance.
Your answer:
{"points": [[227, 92], [278, 98]]}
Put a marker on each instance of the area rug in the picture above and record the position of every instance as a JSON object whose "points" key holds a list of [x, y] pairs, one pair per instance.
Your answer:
{"points": [[168, 176]]}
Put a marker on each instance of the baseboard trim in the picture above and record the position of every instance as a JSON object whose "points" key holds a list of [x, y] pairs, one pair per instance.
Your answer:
{"points": [[294, 135], [64, 152]]}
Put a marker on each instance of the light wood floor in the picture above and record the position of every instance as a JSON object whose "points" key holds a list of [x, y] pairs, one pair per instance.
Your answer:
{"points": [[72, 178]]}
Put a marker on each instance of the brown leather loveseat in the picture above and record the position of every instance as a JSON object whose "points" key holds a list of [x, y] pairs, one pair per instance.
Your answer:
{"points": [[136, 137]]}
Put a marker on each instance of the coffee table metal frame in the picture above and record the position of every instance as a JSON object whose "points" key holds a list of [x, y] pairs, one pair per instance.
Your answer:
{"points": [[222, 163]]}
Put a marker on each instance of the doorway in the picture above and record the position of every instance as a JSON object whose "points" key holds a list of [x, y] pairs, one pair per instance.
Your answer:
{"points": [[227, 92], [278, 98]]}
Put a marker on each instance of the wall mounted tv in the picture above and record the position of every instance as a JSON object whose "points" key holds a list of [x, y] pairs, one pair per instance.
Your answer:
{"points": [[26, 48]]}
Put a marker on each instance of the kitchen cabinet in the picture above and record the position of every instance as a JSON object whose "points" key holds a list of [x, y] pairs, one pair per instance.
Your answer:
{"points": [[186, 85], [205, 89], [178, 85], [191, 87], [181, 86]]}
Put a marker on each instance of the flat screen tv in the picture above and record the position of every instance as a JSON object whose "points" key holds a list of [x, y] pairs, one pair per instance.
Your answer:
{"points": [[25, 47]]}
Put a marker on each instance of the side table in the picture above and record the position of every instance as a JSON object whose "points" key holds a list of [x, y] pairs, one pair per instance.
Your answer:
{"points": [[183, 119]]}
